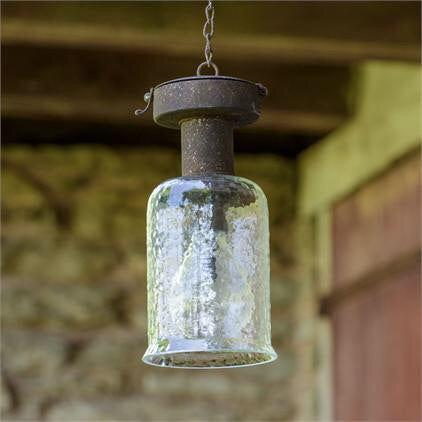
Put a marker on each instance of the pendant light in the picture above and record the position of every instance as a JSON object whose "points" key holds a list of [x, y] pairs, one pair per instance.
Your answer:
{"points": [[207, 231]]}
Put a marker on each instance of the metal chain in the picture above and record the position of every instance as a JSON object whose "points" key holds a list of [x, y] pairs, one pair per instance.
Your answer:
{"points": [[208, 32]]}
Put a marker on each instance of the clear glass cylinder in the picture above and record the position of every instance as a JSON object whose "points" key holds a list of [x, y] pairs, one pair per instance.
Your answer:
{"points": [[208, 274]]}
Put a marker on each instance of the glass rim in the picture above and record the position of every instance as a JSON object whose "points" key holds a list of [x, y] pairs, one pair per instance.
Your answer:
{"points": [[272, 356]]}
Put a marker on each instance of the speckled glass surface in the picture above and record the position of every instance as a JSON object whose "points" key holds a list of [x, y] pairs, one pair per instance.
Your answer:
{"points": [[208, 274]]}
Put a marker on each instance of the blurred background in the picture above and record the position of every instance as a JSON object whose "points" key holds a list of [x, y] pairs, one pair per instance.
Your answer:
{"points": [[336, 152]]}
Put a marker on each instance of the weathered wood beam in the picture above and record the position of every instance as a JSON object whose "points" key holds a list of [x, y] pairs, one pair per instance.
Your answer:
{"points": [[102, 85], [61, 131], [271, 31], [304, 122], [372, 280], [268, 49]]}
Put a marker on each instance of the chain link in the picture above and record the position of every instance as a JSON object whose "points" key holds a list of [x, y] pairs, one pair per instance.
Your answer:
{"points": [[208, 32]]}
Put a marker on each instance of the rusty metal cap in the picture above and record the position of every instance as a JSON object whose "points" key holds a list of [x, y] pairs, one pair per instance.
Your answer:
{"points": [[229, 98]]}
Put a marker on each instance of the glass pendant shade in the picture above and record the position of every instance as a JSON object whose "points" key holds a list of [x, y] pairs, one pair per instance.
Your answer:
{"points": [[207, 234], [208, 273]]}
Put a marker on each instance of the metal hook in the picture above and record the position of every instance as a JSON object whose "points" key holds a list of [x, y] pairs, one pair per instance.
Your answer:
{"points": [[148, 99], [211, 64], [263, 90]]}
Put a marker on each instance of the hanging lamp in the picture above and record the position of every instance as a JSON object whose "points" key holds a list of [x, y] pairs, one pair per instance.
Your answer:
{"points": [[207, 231]]}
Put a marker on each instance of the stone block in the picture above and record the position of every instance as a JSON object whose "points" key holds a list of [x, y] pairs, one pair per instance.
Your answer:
{"points": [[87, 284], [108, 363], [148, 408], [58, 306]]}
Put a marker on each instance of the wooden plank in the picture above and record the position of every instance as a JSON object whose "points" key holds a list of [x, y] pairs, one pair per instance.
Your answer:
{"points": [[322, 281], [379, 225], [277, 49], [298, 31], [376, 301], [371, 280], [108, 85], [377, 339]]}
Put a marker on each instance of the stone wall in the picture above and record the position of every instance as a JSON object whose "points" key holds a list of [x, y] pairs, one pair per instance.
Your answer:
{"points": [[74, 294]]}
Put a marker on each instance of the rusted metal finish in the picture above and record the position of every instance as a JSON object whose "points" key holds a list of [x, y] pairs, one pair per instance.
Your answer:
{"points": [[207, 109], [223, 97], [207, 146]]}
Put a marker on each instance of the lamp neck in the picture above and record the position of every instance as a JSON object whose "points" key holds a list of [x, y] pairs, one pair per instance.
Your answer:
{"points": [[207, 146]]}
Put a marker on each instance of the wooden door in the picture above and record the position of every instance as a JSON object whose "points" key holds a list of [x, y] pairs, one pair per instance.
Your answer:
{"points": [[376, 312]]}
